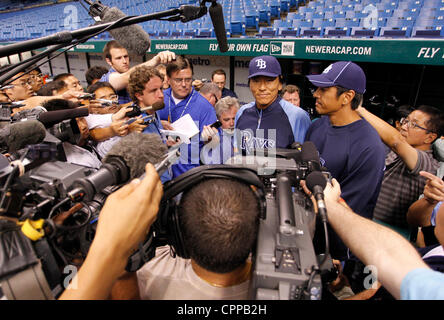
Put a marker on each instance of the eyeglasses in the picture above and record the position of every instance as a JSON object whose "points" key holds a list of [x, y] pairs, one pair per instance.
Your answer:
{"points": [[180, 80], [23, 83], [411, 124]]}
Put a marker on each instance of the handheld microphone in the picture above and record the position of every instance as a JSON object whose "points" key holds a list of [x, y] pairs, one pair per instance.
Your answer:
{"points": [[310, 154], [133, 37], [125, 161], [316, 183], [137, 111], [217, 18], [18, 135]]}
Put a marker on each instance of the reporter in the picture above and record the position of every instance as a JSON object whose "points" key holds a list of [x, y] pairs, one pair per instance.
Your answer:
{"points": [[400, 269], [124, 221]]}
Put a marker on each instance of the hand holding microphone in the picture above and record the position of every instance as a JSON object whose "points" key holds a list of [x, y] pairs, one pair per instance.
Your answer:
{"points": [[211, 136]]}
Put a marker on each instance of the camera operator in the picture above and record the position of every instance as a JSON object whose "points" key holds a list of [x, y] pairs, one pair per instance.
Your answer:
{"points": [[219, 229], [117, 236]]}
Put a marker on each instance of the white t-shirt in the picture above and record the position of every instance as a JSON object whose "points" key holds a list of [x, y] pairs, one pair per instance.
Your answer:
{"points": [[168, 278], [102, 121], [77, 155]]}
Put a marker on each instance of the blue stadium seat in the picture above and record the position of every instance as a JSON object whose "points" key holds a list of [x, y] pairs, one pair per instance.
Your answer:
{"points": [[310, 32], [364, 32], [285, 5], [403, 32], [395, 22], [302, 23], [176, 34], [266, 32], [252, 18], [432, 32], [204, 33], [282, 24], [336, 32], [289, 32], [295, 15]]}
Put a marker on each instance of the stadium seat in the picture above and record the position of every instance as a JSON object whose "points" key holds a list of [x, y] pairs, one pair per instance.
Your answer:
{"points": [[310, 32], [289, 32], [364, 32], [332, 32], [432, 32], [266, 32], [394, 32]]}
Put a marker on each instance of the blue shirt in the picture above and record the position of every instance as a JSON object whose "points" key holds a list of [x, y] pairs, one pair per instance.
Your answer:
{"points": [[277, 126], [123, 94], [203, 114], [355, 156], [423, 284]]}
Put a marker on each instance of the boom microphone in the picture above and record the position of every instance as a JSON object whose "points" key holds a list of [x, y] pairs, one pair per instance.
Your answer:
{"points": [[132, 37], [217, 18], [126, 160], [51, 118], [18, 135]]}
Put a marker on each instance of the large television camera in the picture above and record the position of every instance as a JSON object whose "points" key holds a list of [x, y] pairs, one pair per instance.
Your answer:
{"points": [[286, 266]]}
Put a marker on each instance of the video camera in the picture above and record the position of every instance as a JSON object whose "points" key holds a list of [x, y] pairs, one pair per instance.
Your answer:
{"points": [[286, 266]]}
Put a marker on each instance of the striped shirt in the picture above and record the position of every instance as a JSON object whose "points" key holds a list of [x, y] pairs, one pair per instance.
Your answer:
{"points": [[401, 187]]}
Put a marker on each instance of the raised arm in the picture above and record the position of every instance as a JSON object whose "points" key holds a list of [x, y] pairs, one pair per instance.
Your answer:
{"points": [[392, 138], [373, 244], [119, 81]]}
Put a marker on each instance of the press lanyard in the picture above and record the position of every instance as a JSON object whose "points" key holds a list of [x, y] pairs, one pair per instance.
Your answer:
{"points": [[260, 120], [183, 111]]}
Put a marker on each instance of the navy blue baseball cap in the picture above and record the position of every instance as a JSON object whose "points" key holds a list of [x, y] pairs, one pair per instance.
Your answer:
{"points": [[264, 66], [345, 74]]}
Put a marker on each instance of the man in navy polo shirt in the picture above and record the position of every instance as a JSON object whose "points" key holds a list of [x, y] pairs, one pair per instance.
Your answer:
{"points": [[269, 122], [349, 147]]}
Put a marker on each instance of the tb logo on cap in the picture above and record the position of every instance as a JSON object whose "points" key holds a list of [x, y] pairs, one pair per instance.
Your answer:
{"points": [[327, 69], [261, 64]]}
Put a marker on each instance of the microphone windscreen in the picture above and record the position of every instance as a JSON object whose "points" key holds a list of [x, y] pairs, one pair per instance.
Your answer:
{"points": [[315, 178], [137, 149], [51, 118], [309, 152], [21, 134], [217, 17], [132, 37]]}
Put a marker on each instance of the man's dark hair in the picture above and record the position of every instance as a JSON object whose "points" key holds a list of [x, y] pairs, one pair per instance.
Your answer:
{"points": [[218, 71], [94, 73], [403, 111], [101, 84], [219, 226], [62, 76], [179, 64], [48, 89], [357, 100], [113, 44], [436, 122]]}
